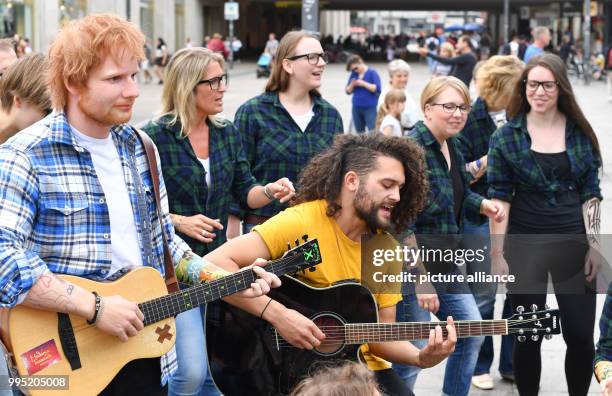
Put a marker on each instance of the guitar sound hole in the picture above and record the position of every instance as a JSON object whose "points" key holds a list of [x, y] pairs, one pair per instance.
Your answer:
{"points": [[333, 328]]}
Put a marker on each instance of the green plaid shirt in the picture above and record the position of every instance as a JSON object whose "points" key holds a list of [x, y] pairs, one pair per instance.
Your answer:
{"points": [[512, 165], [274, 144], [604, 345], [473, 141], [439, 216], [185, 177]]}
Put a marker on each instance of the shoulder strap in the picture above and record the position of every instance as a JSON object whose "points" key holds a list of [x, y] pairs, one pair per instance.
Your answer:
{"points": [[171, 281]]}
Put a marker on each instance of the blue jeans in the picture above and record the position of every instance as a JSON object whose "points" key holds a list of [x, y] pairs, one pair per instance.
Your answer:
{"points": [[364, 117], [457, 301], [192, 376], [477, 237]]}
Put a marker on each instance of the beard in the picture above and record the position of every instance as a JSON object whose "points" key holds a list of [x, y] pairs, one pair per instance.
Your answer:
{"points": [[367, 210], [111, 116]]}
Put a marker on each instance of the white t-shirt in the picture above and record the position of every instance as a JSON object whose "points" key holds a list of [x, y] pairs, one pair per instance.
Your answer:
{"points": [[411, 113], [206, 164], [125, 245], [394, 122], [303, 120]]}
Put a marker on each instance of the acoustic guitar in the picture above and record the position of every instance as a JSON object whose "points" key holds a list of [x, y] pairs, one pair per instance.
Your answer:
{"points": [[248, 356], [47, 343]]}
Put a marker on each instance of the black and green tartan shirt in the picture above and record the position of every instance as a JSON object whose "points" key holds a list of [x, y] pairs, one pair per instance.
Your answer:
{"points": [[473, 140], [512, 166], [438, 217], [185, 177], [275, 145]]}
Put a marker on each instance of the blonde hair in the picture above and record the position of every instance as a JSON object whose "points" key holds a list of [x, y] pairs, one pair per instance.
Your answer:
{"points": [[439, 84], [279, 79], [185, 69], [446, 46], [392, 97], [349, 379], [26, 79], [497, 79], [82, 46]]}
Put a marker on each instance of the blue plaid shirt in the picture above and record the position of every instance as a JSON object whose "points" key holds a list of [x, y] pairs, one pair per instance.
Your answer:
{"points": [[54, 217]]}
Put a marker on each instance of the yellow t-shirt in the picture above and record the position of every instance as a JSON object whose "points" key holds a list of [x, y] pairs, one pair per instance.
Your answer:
{"points": [[341, 256]]}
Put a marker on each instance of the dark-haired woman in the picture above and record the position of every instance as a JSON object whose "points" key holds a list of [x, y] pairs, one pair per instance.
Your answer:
{"points": [[544, 170], [283, 128]]}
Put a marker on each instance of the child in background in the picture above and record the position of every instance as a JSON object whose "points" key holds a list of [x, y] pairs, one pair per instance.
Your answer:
{"points": [[388, 117]]}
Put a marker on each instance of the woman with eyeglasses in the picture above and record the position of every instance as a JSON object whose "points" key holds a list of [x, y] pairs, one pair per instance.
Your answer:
{"points": [[203, 164], [544, 169], [445, 103], [364, 85], [287, 125]]}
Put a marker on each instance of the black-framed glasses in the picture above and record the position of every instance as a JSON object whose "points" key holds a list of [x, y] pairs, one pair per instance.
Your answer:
{"points": [[215, 82], [450, 108], [313, 58], [548, 86]]}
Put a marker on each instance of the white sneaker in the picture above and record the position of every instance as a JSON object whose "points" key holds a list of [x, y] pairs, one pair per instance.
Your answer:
{"points": [[484, 381]]}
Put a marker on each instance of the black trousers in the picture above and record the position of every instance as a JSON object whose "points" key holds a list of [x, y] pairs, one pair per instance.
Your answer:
{"points": [[391, 384], [138, 377], [565, 263]]}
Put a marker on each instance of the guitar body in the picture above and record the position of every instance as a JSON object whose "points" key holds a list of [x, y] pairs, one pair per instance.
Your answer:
{"points": [[243, 350], [32, 334]]}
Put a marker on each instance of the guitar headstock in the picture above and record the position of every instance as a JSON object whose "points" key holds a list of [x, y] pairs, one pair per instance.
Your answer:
{"points": [[305, 255], [533, 324]]}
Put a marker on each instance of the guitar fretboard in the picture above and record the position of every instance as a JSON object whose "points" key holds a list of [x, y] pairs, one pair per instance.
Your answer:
{"points": [[184, 300], [360, 333]]}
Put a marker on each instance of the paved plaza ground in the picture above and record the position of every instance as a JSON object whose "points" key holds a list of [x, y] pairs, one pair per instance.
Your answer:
{"points": [[592, 98]]}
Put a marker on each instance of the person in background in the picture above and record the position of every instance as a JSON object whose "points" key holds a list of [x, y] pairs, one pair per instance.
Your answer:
{"points": [[287, 125], [388, 117], [188, 43], [543, 168], [216, 44], [364, 85], [161, 59], [609, 73], [442, 69], [462, 64], [7, 54], [271, 45], [203, 165], [399, 76], [495, 80], [541, 39], [603, 353], [24, 96]]}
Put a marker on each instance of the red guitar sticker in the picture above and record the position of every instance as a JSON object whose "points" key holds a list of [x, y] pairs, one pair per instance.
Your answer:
{"points": [[41, 357]]}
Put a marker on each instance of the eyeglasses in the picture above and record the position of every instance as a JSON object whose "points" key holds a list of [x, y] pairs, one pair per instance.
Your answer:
{"points": [[313, 58], [549, 86], [450, 108], [215, 82]]}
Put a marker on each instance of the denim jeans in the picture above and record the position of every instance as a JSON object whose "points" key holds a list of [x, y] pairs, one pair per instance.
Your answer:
{"points": [[364, 117], [192, 376], [456, 300], [477, 237], [247, 227]]}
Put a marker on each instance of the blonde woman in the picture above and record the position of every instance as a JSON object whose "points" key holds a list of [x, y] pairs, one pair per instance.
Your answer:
{"points": [[441, 69], [399, 76], [203, 164], [388, 117]]}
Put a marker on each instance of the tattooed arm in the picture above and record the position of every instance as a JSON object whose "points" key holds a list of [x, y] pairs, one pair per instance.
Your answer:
{"points": [[118, 316], [591, 212]]}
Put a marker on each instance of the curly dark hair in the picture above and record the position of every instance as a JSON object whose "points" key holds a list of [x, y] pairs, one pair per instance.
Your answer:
{"points": [[323, 177]]}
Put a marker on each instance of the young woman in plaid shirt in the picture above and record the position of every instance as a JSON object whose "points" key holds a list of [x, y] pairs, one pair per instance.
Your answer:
{"points": [[544, 169]]}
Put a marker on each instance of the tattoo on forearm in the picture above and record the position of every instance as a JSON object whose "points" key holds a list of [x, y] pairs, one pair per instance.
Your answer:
{"points": [[70, 289], [43, 296], [593, 220]]}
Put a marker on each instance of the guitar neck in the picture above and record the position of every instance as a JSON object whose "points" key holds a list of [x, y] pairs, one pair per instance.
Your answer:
{"points": [[360, 333], [184, 300]]}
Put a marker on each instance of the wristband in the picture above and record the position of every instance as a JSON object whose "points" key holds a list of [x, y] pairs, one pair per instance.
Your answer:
{"points": [[264, 310], [98, 308], [267, 194]]}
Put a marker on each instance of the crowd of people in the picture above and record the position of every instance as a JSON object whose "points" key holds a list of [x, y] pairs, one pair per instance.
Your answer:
{"points": [[515, 157]]}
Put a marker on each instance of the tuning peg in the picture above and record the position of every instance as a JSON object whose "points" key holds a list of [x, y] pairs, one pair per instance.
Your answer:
{"points": [[297, 242], [548, 330], [520, 309], [546, 307], [534, 307], [288, 245], [521, 338], [312, 269], [548, 336], [535, 337], [305, 237], [521, 331]]}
